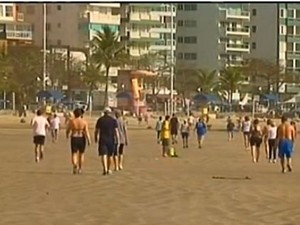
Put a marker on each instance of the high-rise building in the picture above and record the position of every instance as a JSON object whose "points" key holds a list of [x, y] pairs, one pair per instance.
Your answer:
{"points": [[13, 29], [212, 36], [146, 27]]}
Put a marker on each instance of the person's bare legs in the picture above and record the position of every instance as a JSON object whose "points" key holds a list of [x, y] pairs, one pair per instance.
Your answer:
{"points": [[116, 162], [80, 161], [257, 153], [110, 163], [289, 164], [75, 162], [282, 162], [37, 153], [246, 141], [104, 164], [200, 141], [266, 145], [41, 152], [120, 160], [253, 153]]}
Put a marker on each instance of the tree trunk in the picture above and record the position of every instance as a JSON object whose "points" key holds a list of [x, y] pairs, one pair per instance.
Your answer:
{"points": [[105, 104]]}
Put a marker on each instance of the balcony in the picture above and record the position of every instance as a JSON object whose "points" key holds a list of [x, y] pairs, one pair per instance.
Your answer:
{"points": [[237, 47], [237, 14], [243, 31], [19, 31]]}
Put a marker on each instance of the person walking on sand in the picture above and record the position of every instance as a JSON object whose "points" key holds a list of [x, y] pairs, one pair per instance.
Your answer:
{"points": [[78, 130], [265, 134], [246, 125], [271, 137], [201, 129], [255, 140], [55, 126], [107, 135], [166, 136], [185, 133], [230, 129], [121, 142], [40, 126], [285, 139], [158, 128], [174, 126]]}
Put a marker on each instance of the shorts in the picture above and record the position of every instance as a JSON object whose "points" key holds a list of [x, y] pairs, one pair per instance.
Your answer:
{"points": [[285, 148], [78, 144], [255, 141], [106, 148], [185, 135], [165, 142], [39, 140], [246, 133], [119, 149]]}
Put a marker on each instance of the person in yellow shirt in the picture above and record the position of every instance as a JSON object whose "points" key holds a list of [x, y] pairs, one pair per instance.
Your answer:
{"points": [[165, 136]]}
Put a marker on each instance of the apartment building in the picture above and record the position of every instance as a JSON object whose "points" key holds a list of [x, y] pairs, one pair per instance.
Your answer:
{"points": [[13, 29], [212, 36], [146, 27]]}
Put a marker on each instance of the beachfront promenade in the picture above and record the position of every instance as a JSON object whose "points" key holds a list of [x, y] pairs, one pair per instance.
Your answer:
{"points": [[151, 190]]}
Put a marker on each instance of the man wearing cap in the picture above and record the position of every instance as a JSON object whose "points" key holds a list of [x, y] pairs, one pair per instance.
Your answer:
{"points": [[107, 135]]}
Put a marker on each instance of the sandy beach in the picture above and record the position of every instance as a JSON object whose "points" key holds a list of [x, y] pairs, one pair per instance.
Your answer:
{"points": [[151, 190]]}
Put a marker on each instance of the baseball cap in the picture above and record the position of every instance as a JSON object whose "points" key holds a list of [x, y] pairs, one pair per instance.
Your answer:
{"points": [[107, 110]]}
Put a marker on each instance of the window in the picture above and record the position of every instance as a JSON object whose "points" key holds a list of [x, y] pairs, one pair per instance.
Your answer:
{"points": [[290, 30], [254, 12], [190, 56], [115, 11], [253, 45], [59, 7], [58, 25], [180, 7], [290, 13], [180, 23], [297, 63], [1, 10], [297, 47], [190, 40], [180, 40], [190, 23], [8, 11], [281, 30], [289, 63], [290, 47], [297, 13], [253, 29], [48, 26], [58, 42], [190, 7], [297, 30], [281, 13], [180, 55]]}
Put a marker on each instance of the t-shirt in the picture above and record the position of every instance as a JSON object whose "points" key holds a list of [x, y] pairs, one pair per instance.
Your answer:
{"points": [[230, 125], [201, 128], [272, 133], [107, 126], [158, 125], [40, 125], [174, 123], [55, 122], [246, 126], [122, 130], [166, 133], [185, 128]]}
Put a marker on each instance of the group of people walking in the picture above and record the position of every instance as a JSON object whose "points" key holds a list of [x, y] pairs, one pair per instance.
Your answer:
{"points": [[277, 140], [110, 135], [167, 131]]}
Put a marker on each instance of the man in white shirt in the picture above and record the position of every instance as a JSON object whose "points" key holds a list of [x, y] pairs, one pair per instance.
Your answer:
{"points": [[40, 125], [55, 125]]}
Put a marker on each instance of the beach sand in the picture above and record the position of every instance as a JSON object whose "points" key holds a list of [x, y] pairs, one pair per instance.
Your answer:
{"points": [[151, 190]]}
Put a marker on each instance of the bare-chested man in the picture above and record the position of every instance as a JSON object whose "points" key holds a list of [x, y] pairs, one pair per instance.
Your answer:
{"points": [[285, 140], [78, 129]]}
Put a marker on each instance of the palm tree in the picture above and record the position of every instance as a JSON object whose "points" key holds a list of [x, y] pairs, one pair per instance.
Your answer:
{"points": [[230, 80], [107, 51], [92, 76], [206, 80]]}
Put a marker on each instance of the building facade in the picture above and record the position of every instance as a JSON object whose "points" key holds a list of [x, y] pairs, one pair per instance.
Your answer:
{"points": [[13, 29], [147, 27], [212, 36]]}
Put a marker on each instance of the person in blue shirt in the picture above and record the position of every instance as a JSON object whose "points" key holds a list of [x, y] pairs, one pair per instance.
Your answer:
{"points": [[201, 129]]}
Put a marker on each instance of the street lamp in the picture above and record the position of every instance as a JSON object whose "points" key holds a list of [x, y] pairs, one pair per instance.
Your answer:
{"points": [[44, 46]]}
